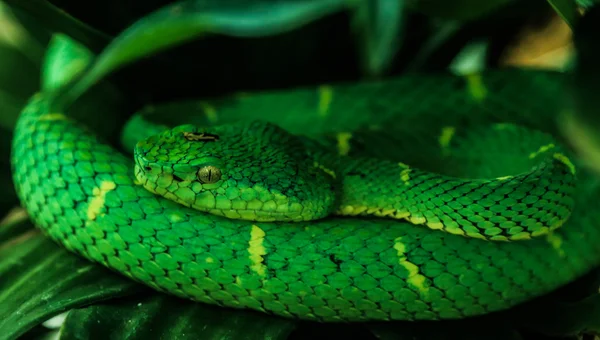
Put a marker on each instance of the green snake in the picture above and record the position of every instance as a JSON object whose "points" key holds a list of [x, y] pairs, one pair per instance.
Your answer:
{"points": [[374, 201]]}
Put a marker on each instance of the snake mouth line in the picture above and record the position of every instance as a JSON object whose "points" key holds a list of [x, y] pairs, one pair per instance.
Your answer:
{"points": [[260, 212], [255, 215]]}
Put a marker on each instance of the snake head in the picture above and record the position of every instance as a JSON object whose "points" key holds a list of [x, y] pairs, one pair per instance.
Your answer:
{"points": [[252, 171]]}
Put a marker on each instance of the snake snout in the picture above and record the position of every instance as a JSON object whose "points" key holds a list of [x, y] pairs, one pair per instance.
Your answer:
{"points": [[143, 164]]}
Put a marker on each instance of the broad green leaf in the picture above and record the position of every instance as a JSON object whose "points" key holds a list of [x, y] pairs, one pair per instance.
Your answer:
{"points": [[183, 21], [158, 316], [40, 280], [380, 26], [65, 59], [566, 9]]}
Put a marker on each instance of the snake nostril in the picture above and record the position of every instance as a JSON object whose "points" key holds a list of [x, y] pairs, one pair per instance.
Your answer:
{"points": [[147, 168]]}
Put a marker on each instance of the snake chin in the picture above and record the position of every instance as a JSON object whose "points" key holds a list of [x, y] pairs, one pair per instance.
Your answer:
{"points": [[259, 215]]}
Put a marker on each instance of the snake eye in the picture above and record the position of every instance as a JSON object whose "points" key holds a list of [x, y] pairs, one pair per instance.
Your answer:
{"points": [[209, 174]]}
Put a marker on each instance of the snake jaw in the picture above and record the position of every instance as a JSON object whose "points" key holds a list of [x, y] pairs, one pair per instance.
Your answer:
{"points": [[278, 208]]}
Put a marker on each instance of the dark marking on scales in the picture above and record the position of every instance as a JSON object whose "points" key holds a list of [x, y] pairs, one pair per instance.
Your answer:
{"points": [[200, 136]]}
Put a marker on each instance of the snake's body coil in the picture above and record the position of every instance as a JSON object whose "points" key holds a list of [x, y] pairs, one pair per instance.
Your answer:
{"points": [[84, 195]]}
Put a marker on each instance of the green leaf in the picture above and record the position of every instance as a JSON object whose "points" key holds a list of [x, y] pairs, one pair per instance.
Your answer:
{"points": [[9, 231], [8, 199], [563, 319], [470, 59], [21, 32], [379, 25], [183, 21], [57, 20], [442, 33], [65, 59], [159, 316], [569, 311], [582, 133], [567, 9], [580, 120], [10, 106], [469, 329], [18, 81], [587, 3], [463, 10], [41, 280], [20, 58]]}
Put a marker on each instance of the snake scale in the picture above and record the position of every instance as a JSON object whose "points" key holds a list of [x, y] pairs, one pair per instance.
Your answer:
{"points": [[358, 213]]}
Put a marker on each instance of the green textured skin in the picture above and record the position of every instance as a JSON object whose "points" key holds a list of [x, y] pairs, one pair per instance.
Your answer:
{"points": [[84, 195], [266, 174]]}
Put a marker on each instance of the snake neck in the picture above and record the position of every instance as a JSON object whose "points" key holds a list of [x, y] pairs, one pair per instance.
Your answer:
{"points": [[507, 208]]}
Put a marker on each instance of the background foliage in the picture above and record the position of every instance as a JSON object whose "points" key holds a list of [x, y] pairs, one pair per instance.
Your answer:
{"points": [[155, 51]]}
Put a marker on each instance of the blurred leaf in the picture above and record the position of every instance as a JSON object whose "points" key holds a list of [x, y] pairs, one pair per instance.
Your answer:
{"points": [[379, 25], [470, 59], [162, 317], [8, 199], [583, 137], [40, 280], [20, 58], [9, 231], [463, 10], [21, 51], [186, 20], [19, 31], [569, 311], [57, 20], [10, 106], [567, 9], [549, 46], [564, 319], [65, 59], [581, 121], [470, 329], [18, 81], [586, 3], [441, 34], [18, 76]]}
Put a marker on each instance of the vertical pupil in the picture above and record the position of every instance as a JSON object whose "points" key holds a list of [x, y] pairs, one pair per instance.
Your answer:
{"points": [[209, 174]]}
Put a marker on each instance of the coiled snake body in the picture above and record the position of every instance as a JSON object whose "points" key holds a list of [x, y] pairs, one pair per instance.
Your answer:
{"points": [[246, 215]]}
